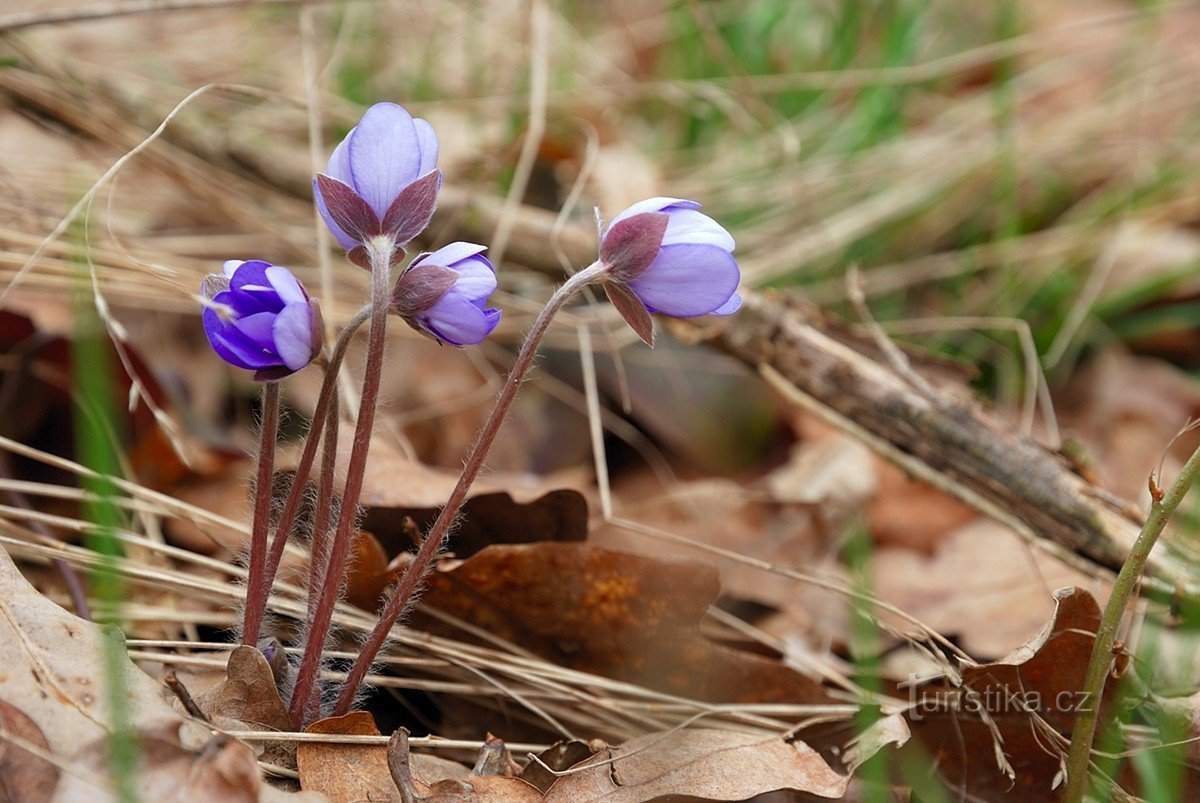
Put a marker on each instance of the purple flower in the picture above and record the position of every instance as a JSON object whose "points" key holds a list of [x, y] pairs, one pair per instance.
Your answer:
{"points": [[675, 260], [444, 294], [261, 319], [381, 179]]}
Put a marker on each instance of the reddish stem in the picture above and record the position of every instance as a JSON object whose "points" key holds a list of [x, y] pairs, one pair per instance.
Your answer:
{"points": [[415, 574], [305, 698], [256, 577], [325, 402], [319, 545]]}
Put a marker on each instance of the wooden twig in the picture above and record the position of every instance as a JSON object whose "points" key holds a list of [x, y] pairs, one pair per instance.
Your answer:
{"points": [[981, 459]]}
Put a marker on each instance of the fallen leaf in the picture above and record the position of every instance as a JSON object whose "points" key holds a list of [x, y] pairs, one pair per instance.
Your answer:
{"points": [[488, 518], [557, 757], [983, 733], [344, 772], [24, 775], [248, 699], [54, 663], [616, 614], [983, 586], [709, 764]]}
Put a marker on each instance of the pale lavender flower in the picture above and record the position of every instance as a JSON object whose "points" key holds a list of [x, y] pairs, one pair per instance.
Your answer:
{"points": [[260, 318], [382, 179], [444, 294], [681, 266]]}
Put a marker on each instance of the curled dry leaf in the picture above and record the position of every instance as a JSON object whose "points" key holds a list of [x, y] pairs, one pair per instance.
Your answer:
{"points": [[625, 616], [709, 764], [248, 699], [994, 734], [54, 663]]}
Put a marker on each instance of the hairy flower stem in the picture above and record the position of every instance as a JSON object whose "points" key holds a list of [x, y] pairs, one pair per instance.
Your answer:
{"points": [[305, 698], [414, 576], [256, 577], [1161, 510], [319, 545], [258, 593]]}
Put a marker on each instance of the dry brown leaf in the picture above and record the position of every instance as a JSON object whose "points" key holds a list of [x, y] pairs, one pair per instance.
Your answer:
{"points": [[484, 789], [1125, 410], [487, 518], [959, 725], [621, 615], [248, 699], [53, 662], [24, 775], [983, 585], [558, 756], [344, 772], [710, 764], [248, 693]]}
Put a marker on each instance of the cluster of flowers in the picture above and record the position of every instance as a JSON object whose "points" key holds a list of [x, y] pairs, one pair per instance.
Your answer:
{"points": [[378, 192], [661, 254]]}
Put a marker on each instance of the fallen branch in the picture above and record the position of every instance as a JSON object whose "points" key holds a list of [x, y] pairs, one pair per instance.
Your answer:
{"points": [[953, 442]]}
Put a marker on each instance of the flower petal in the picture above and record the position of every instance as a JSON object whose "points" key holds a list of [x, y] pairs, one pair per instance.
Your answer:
{"points": [[428, 142], [257, 329], [339, 161], [659, 204], [690, 226], [292, 333], [458, 321], [385, 156], [286, 285], [251, 272], [476, 278], [688, 280], [447, 255], [729, 307]]}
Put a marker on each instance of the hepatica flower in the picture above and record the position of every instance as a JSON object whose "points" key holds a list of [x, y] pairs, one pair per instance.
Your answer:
{"points": [[664, 256], [260, 318], [444, 294], [382, 180]]}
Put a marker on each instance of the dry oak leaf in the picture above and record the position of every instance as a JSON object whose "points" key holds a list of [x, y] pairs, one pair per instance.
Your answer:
{"points": [[709, 764], [625, 616], [248, 699], [24, 773], [345, 772], [54, 664], [990, 735]]}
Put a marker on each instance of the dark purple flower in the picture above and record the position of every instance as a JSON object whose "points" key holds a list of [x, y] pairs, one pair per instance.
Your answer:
{"points": [[675, 260], [381, 179], [444, 294], [261, 319]]}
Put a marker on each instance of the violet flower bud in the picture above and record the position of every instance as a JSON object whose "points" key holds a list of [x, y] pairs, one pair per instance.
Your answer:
{"points": [[381, 180], [260, 318], [664, 256], [444, 294]]}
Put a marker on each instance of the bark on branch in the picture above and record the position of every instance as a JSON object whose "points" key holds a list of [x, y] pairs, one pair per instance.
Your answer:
{"points": [[978, 457]]}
